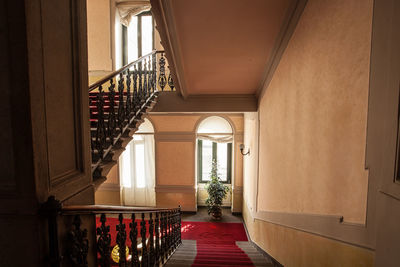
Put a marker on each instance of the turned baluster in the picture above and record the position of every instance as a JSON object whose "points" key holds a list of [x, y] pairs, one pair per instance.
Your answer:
{"points": [[145, 87], [162, 80], [157, 234], [171, 82], [135, 100], [153, 73], [140, 88], [121, 112], [163, 235], [128, 95], [112, 122], [168, 232], [104, 242], [179, 224], [121, 240], [175, 229], [143, 235], [151, 241], [78, 247], [133, 237], [101, 129]]}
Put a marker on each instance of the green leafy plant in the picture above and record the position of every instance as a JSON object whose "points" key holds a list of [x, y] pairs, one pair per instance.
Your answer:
{"points": [[217, 191]]}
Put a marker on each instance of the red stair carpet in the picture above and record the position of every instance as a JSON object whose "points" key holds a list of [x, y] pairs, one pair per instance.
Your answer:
{"points": [[216, 243]]}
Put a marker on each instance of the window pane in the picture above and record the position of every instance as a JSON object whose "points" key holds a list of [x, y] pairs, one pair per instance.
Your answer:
{"points": [[222, 161], [140, 174], [147, 34], [133, 39], [206, 160], [126, 167]]}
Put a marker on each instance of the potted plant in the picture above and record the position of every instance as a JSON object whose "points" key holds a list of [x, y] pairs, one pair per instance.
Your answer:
{"points": [[216, 193]]}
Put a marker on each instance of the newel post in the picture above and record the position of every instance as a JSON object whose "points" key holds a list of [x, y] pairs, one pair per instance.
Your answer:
{"points": [[51, 209]]}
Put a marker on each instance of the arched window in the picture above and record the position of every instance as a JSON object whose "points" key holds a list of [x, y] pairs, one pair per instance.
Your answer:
{"points": [[137, 168], [214, 143]]}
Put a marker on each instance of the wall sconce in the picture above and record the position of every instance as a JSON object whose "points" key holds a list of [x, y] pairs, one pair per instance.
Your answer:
{"points": [[241, 147]]}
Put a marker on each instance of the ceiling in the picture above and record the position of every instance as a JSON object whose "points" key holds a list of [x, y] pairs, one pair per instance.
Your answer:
{"points": [[224, 46]]}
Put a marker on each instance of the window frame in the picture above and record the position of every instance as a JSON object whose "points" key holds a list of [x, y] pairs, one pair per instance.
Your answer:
{"points": [[214, 156], [124, 37]]}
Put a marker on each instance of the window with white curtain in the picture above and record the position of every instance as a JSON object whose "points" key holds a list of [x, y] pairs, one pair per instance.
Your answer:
{"points": [[214, 143], [137, 168]]}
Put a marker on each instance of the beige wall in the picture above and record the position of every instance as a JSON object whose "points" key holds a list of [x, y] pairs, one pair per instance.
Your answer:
{"points": [[313, 115], [175, 149], [311, 134], [99, 35], [176, 155], [109, 193]]}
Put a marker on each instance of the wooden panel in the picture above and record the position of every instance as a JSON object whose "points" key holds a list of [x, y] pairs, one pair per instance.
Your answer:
{"points": [[60, 106], [63, 89], [7, 182], [65, 93]]}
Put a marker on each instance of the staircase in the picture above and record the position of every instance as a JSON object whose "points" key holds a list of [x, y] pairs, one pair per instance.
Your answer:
{"points": [[118, 104], [240, 254]]}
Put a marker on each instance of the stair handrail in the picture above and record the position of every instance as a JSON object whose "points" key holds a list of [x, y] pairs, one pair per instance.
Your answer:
{"points": [[109, 209], [117, 104], [159, 236]]}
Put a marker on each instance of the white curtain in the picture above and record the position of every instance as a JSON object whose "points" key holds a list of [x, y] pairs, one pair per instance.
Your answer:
{"points": [[128, 9], [137, 172], [218, 138]]}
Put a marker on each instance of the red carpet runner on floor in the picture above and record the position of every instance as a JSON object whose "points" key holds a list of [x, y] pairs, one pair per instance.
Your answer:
{"points": [[216, 243]]}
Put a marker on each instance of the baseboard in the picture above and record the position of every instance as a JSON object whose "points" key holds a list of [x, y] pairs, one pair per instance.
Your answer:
{"points": [[272, 259], [189, 212]]}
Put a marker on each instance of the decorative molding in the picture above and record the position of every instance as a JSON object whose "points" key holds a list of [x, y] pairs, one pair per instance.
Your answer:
{"points": [[175, 137], [109, 187], [288, 26], [175, 189], [173, 102]]}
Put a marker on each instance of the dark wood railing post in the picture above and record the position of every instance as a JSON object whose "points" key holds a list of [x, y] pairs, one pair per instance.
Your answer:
{"points": [[121, 240], [168, 232], [78, 247], [143, 235], [121, 111], [163, 236], [180, 224], [104, 242], [151, 241], [135, 89], [112, 123], [157, 233], [133, 237], [175, 228], [51, 209], [162, 80]]}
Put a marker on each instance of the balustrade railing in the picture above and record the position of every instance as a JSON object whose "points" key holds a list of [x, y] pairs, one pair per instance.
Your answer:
{"points": [[142, 236], [119, 100]]}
